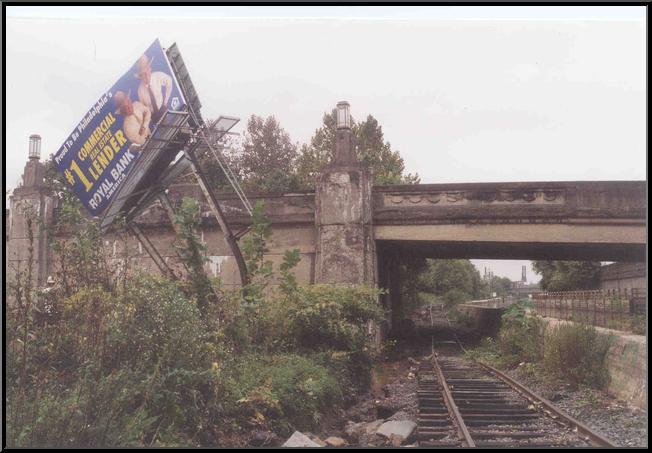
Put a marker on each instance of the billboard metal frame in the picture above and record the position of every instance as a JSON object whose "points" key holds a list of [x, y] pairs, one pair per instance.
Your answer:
{"points": [[158, 151], [148, 181]]}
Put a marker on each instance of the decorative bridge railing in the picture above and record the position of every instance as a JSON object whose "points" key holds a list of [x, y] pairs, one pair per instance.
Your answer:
{"points": [[619, 309]]}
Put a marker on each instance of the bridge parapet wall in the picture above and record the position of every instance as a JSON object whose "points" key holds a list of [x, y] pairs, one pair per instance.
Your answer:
{"points": [[280, 208], [502, 202]]}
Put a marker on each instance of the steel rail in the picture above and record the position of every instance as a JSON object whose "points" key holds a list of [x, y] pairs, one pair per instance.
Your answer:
{"points": [[454, 412], [551, 410], [595, 438]]}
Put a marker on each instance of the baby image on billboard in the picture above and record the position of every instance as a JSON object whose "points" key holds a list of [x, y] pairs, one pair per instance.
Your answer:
{"points": [[97, 156]]}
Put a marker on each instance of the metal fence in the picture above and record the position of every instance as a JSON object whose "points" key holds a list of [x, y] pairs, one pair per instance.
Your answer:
{"points": [[620, 309]]}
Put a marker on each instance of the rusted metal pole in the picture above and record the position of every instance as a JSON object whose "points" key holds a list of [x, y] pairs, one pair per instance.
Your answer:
{"points": [[151, 250], [621, 306], [219, 216], [587, 297]]}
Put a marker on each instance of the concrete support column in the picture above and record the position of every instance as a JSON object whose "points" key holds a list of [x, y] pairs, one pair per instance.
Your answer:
{"points": [[343, 218], [343, 214], [29, 201], [394, 290]]}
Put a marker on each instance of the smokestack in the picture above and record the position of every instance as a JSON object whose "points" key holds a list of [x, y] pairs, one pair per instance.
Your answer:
{"points": [[523, 276]]}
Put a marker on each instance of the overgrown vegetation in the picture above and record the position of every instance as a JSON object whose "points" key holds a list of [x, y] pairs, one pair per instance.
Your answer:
{"points": [[637, 324], [521, 336], [192, 252], [567, 275], [577, 352], [266, 159], [452, 282], [105, 360], [572, 352]]}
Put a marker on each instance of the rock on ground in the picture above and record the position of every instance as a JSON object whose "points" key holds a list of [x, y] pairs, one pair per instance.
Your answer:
{"points": [[300, 440], [335, 441], [357, 432], [401, 428]]}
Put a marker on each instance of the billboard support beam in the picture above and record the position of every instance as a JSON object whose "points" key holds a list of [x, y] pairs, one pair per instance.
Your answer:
{"points": [[151, 251], [219, 216]]}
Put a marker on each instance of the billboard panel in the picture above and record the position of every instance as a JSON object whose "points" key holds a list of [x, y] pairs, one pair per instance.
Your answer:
{"points": [[102, 149]]}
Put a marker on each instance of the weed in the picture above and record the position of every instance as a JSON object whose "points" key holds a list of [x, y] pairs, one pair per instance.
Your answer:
{"points": [[521, 337], [577, 352]]}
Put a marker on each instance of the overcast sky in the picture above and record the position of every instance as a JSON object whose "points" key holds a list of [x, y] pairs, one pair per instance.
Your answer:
{"points": [[467, 94]]}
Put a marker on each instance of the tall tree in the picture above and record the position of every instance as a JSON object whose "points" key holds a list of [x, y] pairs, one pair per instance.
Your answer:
{"points": [[567, 275], [319, 153], [267, 162], [228, 149], [387, 165], [442, 276], [263, 159], [499, 285]]}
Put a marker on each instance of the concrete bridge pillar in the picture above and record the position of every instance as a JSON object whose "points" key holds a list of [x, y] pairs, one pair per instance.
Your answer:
{"points": [[343, 215], [30, 204], [345, 245]]}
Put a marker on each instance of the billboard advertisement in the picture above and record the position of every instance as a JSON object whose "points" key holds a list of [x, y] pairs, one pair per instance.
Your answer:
{"points": [[99, 153]]}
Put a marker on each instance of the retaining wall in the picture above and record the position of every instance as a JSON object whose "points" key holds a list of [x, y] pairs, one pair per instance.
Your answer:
{"points": [[627, 365], [485, 315]]}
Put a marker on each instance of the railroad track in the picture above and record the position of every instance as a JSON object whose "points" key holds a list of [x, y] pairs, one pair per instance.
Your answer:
{"points": [[463, 403]]}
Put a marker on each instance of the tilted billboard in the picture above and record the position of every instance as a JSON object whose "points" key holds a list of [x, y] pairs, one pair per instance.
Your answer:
{"points": [[97, 156]]}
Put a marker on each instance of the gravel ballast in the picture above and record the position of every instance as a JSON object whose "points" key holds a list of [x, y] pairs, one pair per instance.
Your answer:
{"points": [[624, 425]]}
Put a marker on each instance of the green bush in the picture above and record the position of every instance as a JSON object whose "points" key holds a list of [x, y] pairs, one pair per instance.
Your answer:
{"points": [[454, 297], [521, 337], [460, 318], [487, 351], [577, 352], [427, 298], [151, 362], [352, 369], [334, 317], [112, 370], [638, 324], [280, 392]]}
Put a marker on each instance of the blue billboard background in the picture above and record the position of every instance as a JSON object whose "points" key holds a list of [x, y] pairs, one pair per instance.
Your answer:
{"points": [[97, 156]]}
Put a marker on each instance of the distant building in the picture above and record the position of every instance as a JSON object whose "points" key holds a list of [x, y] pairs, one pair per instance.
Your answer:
{"points": [[518, 284]]}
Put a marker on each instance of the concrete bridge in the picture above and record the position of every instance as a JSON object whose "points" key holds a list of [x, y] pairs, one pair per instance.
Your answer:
{"points": [[347, 227], [555, 220], [587, 220], [348, 231]]}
